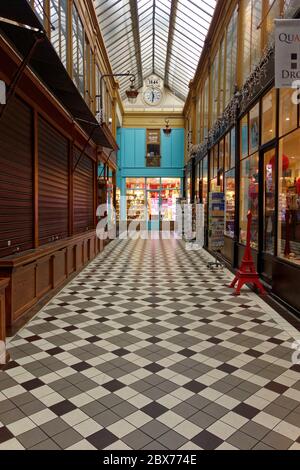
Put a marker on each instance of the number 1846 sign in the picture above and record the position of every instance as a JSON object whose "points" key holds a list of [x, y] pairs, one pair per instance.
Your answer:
{"points": [[287, 53]]}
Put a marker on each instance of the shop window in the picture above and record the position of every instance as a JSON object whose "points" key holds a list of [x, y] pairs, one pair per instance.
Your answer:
{"points": [[197, 181], [153, 183], [288, 112], [254, 129], [215, 88], [153, 148], [249, 199], [205, 185], [135, 204], [59, 36], [269, 201], [135, 183], [227, 163], [221, 155], [78, 51], [244, 137], [269, 116], [232, 148], [214, 187], [289, 198], [215, 160], [230, 203]]}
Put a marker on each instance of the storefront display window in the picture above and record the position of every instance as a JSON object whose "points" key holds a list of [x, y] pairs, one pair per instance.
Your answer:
{"points": [[230, 203], [214, 185], [153, 183], [288, 112], [135, 183], [232, 148], [215, 161], [254, 129], [135, 204], [289, 198], [269, 116], [227, 164], [269, 201], [244, 136], [249, 199]]}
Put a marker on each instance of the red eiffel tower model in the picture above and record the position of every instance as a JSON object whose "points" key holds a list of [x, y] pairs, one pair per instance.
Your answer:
{"points": [[247, 272]]}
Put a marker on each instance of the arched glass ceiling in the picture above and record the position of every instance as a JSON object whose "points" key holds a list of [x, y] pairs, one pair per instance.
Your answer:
{"points": [[164, 37]]}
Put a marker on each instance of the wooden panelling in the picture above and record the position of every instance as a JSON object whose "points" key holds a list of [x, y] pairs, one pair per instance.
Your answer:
{"points": [[71, 260], [16, 178], [43, 276], [59, 267], [23, 290], [83, 193], [3, 354], [53, 183], [34, 274]]}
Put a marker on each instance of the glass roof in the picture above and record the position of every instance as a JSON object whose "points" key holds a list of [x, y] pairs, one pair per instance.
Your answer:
{"points": [[164, 37]]}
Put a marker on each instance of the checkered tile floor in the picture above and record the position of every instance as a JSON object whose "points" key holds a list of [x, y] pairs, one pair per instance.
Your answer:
{"points": [[147, 349]]}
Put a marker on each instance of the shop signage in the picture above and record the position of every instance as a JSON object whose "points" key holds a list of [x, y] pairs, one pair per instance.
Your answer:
{"points": [[287, 53]]}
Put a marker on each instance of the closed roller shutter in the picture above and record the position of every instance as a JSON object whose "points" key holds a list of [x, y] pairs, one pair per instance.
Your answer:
{"points": [[83, 184], [53, 183], [16, 178]]}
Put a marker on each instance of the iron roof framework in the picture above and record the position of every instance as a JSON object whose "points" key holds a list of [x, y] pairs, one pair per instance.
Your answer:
{"points": [[163, 37]]}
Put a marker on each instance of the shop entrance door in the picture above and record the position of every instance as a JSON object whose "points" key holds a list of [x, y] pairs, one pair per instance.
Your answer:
{"points": [[268, 230], [153, 210]]}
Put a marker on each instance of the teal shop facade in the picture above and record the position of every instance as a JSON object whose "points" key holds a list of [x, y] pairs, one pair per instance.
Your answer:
{"points": [[132, 157]]}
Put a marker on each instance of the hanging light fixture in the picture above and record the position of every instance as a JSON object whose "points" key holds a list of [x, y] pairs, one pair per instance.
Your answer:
{"points": [[167, 130], [132, 92]]}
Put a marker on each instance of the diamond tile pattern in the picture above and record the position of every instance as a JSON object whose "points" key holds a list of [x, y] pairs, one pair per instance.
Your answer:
{"points": [[147, 349]]}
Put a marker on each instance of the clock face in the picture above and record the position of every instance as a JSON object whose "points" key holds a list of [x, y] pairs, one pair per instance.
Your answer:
{"points": [[152, 96]]}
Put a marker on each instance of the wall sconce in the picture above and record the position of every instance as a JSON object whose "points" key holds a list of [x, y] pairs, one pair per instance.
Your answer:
{"points": [[167, 130]]}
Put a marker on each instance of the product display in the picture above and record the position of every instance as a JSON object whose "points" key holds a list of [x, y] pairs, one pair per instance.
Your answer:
{"points": [[216, 221]]}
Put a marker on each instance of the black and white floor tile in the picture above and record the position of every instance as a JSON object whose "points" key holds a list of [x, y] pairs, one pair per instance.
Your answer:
{"points": [[148, 349]]}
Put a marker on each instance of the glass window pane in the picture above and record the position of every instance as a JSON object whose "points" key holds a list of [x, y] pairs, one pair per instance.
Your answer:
{"points": [[230, 203], [289, 198], [135, 183], [269, 116], [288, 112], [232, 147], [269, 201], [254, 129], [227, 152], [244, 137], [153, 183], [249, 199]]}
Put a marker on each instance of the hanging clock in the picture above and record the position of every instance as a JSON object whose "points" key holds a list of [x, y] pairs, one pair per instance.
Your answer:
{"points": [[152, 96]]}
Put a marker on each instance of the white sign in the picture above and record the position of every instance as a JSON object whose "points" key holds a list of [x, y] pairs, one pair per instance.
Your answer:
{"points": [[287, 53], [2, 92]]}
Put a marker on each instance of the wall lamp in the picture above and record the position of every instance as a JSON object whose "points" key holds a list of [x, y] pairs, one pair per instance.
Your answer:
{"points": [[131, 93]]}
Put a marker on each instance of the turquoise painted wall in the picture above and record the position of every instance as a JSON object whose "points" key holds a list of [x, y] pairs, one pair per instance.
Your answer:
{"points": [[131, 156]]}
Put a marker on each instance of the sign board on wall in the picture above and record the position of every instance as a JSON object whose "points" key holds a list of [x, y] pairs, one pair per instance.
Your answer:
{"points": [[287, 53]]}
